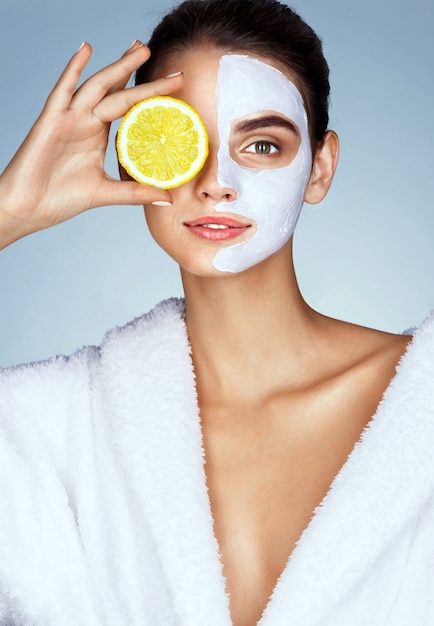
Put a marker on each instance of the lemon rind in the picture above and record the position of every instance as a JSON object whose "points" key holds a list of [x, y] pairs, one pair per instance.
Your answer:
{"points": [[134, 172]]}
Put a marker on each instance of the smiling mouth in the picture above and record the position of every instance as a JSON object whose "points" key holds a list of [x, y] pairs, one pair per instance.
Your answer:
{"points": [[217, 228]]}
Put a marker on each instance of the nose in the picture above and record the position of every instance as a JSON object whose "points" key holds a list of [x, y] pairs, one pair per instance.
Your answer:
{"points": [[208, 185]]}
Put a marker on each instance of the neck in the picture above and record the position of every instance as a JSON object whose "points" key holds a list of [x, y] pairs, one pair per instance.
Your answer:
{"points": [[247, 328]]}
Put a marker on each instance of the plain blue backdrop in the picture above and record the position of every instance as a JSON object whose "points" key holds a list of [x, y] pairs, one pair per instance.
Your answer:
{"points": [[365, 254]]}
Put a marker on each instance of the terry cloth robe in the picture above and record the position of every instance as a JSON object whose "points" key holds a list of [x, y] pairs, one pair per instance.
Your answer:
{"points": [[104, 513]]}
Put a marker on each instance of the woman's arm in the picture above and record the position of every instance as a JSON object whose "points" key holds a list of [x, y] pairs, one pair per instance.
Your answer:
{"points": [[58, 172]]}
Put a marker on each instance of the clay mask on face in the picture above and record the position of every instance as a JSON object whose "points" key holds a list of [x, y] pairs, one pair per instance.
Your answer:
{"points": [[271, 197]]}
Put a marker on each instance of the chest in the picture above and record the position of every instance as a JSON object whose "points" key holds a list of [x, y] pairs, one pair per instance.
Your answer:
{"points": [[267, 471]]}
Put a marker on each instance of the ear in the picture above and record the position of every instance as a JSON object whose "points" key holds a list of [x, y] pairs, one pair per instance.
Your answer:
{"points": [[323, 169]]}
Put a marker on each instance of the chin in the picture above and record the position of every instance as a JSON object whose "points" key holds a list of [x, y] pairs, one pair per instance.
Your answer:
{"points": [[202, 270]]}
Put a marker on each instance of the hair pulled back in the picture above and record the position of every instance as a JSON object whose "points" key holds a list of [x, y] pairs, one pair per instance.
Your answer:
{"points": [[265, 27]]}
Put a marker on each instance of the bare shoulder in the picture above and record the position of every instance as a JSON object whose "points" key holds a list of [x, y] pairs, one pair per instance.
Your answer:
{"points": [[369, 343], [365, 353]]}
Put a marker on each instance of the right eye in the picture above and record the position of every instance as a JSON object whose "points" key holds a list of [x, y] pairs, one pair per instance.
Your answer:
{"points": [[261, 147]]}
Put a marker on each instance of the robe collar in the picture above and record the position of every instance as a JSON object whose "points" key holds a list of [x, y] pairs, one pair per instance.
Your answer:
{"points": [[148, 376]]}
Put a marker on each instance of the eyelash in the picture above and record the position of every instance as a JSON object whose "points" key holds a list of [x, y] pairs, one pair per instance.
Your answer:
{"points": [[272, 146]]}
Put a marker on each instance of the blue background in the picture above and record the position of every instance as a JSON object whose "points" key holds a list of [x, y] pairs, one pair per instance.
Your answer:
{"points": [[365, 254]]}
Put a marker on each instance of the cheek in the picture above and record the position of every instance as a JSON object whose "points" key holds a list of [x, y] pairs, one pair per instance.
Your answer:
{"points": [[162, 220], [273, 199], [159, 225], [256, 197], [265, 196]]}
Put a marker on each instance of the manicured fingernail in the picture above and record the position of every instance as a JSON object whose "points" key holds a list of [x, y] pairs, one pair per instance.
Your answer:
{"points": [[161, 203], [174, 74], [81, 46], [132, 45]]}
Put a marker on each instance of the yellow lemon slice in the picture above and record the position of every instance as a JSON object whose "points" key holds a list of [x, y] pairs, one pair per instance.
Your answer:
{"points": [[162, 142]]}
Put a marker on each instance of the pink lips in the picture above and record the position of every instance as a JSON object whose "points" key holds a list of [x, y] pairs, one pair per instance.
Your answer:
{"points": [[217, 228]]}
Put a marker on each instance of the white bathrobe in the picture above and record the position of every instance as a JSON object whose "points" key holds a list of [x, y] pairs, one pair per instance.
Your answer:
{"points": [[104, 513]]}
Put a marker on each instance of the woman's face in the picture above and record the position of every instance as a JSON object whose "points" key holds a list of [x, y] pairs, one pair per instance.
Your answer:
{"points": [[243, 206]]}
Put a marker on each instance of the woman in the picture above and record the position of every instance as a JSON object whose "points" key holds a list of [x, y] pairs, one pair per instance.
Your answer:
{"points": [[201, 466]]}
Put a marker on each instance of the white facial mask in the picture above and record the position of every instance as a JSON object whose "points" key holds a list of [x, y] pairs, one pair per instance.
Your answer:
{"points": [[272, 198]]}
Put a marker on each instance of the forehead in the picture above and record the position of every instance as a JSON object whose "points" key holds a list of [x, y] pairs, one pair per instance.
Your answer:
{"points": [[246, 84]]}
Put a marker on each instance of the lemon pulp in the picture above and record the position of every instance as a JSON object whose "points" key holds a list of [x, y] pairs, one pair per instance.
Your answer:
{"points": [[162, 142]]}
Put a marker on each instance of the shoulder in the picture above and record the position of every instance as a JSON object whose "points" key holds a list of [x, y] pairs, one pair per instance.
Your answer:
{"points": [[43, 404], [39, 401], [167, 316], [50, 373], [61, 369], [384, 347], [357, 344], [367, 359], [56, 380], [156, 334]]}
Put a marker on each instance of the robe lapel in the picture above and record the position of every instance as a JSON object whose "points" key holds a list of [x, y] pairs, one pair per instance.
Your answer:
{"points": [[149, 378], [387, 479]]}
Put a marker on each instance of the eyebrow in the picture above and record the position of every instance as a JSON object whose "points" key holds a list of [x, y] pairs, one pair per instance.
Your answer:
{"points": [[263, 122]]}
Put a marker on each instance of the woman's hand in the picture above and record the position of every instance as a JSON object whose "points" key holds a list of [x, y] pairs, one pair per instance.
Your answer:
{"points": [[58, 172]]}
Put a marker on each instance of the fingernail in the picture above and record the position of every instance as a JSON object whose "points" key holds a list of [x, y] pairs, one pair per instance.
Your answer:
{"points": [[81, 46], [174, 74], [132, 45], [161, 203]]}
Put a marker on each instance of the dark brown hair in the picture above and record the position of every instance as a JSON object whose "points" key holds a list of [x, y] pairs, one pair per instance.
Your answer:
{"points": [[265, 27]]}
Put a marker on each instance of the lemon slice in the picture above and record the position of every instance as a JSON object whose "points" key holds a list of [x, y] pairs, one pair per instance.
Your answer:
{"points": [[162, 142]]}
